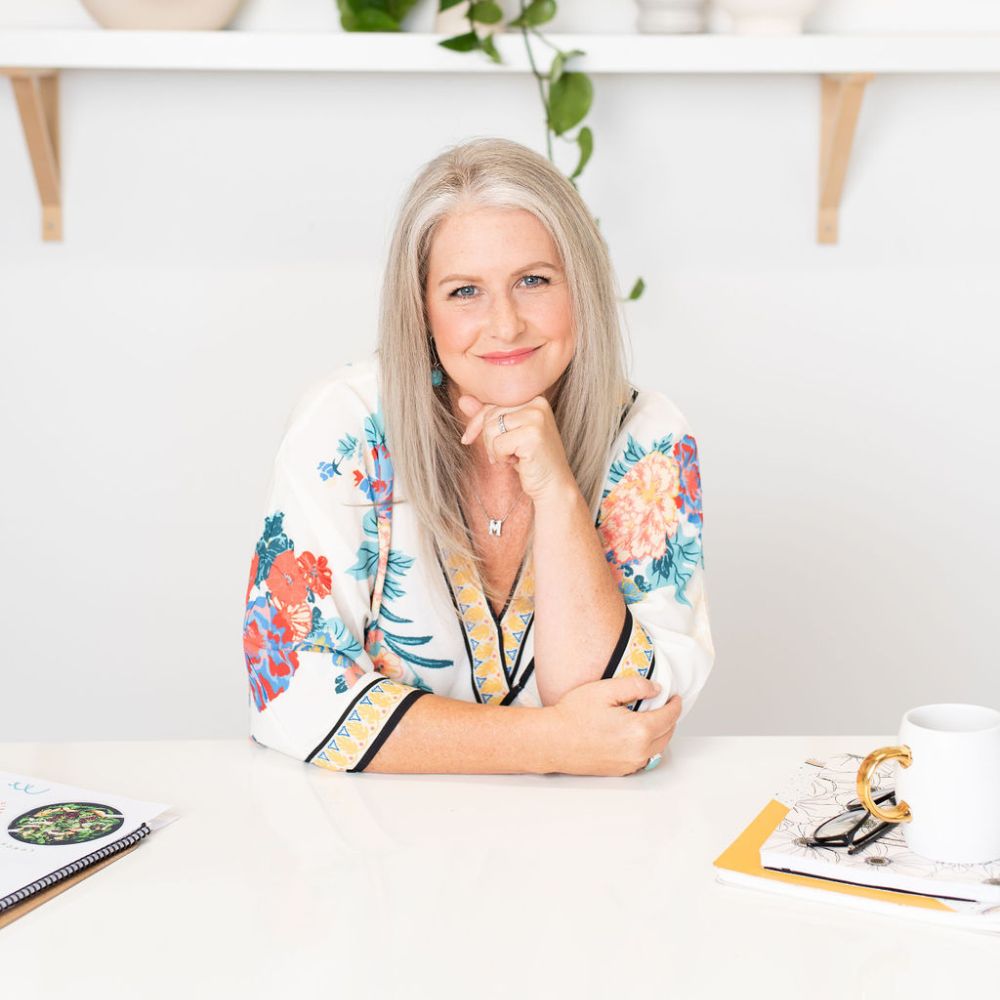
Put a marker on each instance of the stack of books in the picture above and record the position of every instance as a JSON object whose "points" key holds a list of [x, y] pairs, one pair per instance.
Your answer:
{"points": [[53, 835], [772, 854]]}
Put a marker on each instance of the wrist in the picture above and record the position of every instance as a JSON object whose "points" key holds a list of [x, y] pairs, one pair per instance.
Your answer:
{"points": [[560, 496], [545, 740]]}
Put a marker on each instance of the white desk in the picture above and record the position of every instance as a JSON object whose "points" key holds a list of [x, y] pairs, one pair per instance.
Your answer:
{"points": [[283, 880]]}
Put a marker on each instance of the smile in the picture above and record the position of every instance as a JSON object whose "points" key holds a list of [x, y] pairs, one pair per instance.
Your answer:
{"points": [[508, 357]]}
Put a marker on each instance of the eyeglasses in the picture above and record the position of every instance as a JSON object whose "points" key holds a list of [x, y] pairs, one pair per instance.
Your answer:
{"points": [[855, 828]]}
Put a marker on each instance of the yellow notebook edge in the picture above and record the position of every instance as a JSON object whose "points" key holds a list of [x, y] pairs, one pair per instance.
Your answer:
{"points": [[743, 856]]}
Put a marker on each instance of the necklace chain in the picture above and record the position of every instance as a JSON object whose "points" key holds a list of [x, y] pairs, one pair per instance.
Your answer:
{"points": [[496, 523]]}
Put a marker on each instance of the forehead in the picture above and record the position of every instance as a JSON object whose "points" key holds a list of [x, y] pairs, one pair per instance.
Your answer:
{"points": [[481, 236]]}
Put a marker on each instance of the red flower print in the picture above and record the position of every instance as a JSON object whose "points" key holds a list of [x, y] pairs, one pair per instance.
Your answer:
{"points": [[317, 573], [286, 580], [270, 659], [640, 513], [299, 618]]}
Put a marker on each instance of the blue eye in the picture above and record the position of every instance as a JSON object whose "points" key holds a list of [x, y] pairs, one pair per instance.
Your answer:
{"points": [[541, 279]]}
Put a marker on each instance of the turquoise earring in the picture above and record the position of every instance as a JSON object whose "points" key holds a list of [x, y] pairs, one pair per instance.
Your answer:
{"points": [[437, 375]]}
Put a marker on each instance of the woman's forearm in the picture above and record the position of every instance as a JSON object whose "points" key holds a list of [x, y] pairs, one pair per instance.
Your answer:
{"points": [[440, 735], [579, 610]]}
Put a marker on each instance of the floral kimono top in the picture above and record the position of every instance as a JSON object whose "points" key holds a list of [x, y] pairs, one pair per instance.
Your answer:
{"points": [[347, 624]]}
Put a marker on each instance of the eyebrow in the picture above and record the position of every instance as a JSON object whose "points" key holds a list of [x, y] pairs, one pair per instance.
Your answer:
{"points": [[520, 270]]}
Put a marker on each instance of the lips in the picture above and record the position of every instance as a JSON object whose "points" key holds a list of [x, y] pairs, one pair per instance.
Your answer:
{"points": [[508, 357]]}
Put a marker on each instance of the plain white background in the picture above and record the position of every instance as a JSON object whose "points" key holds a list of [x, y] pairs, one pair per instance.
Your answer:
{"points": [[224, 241]]}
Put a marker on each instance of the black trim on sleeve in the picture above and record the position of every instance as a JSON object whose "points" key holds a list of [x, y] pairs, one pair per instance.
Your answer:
{"points": [[620, 647], [401, 709], [509, 697], [634, 707], [347, 711]]}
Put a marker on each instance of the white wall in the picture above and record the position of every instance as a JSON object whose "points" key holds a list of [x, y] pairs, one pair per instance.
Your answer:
{"points": [[224, 240]]}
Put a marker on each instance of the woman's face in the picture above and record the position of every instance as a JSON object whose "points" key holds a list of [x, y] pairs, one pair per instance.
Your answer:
{"points": [[498, 305]]}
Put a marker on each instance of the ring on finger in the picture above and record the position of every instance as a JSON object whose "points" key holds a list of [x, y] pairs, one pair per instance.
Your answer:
{"points": [[501, 424]]}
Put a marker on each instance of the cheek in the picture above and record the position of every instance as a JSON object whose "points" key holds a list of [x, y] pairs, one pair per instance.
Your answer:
{"points": [[452, 331]]}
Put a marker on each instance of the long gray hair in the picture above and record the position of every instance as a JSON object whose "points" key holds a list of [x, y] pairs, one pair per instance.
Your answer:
{"points": [[422, 432]]}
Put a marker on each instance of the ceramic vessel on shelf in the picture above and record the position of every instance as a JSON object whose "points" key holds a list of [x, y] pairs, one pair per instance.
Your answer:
{"points": [[176, 15], [767, 17], [670, 16]]}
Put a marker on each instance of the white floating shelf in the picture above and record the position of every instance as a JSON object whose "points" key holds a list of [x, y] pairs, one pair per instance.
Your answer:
{"points": [[843, 64], [409, 52]]}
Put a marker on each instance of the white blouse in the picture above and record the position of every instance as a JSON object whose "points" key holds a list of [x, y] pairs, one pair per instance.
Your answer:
{"points": [[350, 616]]}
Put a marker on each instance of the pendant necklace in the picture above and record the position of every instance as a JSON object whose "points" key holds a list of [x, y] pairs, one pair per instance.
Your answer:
{"points": [[496, 523]]}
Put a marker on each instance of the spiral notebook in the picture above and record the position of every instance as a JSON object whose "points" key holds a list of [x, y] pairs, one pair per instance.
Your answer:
{"points": [[52, 834]]}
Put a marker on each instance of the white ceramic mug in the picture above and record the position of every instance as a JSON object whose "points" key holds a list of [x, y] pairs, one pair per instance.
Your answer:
{"points": [[948, 783]]}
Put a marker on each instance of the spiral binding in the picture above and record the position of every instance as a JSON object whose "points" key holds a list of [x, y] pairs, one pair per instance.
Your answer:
{"points": [[71, 869]]}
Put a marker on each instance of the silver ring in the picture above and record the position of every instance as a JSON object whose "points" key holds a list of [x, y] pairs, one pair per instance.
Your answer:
{"points": [[653, 761], [503, 426]]}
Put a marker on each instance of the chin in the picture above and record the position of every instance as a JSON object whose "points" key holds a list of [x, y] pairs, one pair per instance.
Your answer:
{"points": [[513, 392]]}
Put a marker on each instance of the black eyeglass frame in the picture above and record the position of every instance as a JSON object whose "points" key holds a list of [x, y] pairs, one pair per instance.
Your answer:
{"points": [[849, 839]]}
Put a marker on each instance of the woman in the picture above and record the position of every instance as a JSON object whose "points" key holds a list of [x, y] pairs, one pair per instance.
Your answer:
{"points": [[482, 549]]}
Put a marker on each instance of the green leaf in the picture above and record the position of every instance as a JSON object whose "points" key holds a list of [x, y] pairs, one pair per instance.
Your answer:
{"points": [[485, 12], [372, 15], [537, 12], [462, 43], [637, 289], [569, 101], [556, 69], [445, 4], [585, 140], [486, 44], [397, 9]]}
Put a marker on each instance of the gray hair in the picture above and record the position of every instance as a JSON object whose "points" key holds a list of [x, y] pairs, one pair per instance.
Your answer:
{"points": [[421, 430]]}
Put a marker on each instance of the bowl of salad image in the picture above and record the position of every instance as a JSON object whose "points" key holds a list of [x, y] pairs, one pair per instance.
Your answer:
{"points": [[61, 823]]}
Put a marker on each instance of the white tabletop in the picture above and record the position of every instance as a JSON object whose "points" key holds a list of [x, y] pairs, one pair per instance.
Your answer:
{"points": [[283, 880]]}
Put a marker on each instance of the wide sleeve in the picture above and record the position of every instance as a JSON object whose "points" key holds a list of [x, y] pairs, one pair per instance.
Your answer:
{"points": [[650, 522], [315, 692]]}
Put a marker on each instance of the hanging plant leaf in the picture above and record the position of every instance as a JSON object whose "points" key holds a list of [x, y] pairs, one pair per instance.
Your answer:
{"points": [[585, 140], [485, 12], [569, 101], [461, 43], [396, 9], [537, 12], [637, 289], [486, 44], [445, 4], [559, 63]]}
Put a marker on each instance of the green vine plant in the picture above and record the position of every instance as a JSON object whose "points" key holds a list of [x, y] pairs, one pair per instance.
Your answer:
{"points": [[566, 95]]}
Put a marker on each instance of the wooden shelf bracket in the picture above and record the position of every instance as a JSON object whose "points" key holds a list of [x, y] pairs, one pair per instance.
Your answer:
{"points": [[841, 103], [36, 92]]}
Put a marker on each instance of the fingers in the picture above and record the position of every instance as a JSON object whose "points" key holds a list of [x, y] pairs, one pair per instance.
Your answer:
{"points": [[662, 720], [628, 688], [659, 745]]}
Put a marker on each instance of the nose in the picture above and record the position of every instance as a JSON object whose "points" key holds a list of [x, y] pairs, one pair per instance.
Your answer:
{"points": [[505, 322]]}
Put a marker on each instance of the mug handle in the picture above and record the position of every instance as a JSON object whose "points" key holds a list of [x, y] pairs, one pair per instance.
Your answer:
{"points": [[899, 813]]}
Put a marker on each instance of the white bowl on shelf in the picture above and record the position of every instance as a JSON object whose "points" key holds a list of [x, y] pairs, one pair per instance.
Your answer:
{"points": [[669, 17], [172, 15], [766, 17]]}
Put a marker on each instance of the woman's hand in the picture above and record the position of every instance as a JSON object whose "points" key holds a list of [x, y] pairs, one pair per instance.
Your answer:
{"points": [[595, 734], [531, 443]]}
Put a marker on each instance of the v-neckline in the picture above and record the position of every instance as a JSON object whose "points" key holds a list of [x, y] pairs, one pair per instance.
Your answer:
{"points": [[498, 618]]}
